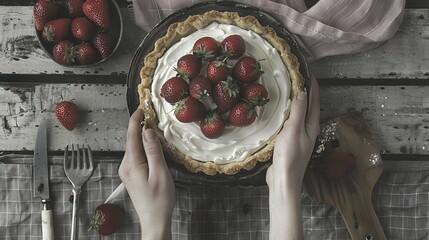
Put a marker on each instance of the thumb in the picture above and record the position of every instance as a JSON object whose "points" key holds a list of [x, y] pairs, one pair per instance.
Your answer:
{"points": [[154, 153]]}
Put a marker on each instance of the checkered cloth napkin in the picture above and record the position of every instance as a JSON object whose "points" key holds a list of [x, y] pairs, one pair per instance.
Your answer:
{"points": [[400, 199], [328, 28]]}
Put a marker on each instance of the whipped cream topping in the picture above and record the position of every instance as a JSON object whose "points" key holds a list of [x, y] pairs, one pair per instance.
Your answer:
{"points": [[236, 143]]}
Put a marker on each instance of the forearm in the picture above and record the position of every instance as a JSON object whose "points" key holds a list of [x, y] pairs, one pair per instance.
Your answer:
{"points": [[285, 213]]}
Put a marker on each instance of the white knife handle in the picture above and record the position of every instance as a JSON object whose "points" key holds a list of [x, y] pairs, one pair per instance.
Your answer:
{"points": [[47, 222]]}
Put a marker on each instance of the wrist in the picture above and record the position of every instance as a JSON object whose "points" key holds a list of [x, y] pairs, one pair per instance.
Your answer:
{"points": [[158, 231]]}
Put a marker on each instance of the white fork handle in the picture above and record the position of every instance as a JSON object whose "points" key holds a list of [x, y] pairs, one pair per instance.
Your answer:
{"points": [[75, 214]]}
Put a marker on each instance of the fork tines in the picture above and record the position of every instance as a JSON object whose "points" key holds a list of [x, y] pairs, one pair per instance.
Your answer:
{"points": [[82, 160]]}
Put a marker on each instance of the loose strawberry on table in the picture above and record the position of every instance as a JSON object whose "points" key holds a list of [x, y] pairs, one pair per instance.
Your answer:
{"points": [[67, 114], [64, 52], [218, 70], [247, 69], [190, 110], [174, 89], [107, 219], [213, 125], [57, 30], [233, 46], [98, 12], [188, 66], [206, 48], [200, 87], [44, 11]]}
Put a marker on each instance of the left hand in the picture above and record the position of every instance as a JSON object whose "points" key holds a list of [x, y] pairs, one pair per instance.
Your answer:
{"points": [[148, 180]]}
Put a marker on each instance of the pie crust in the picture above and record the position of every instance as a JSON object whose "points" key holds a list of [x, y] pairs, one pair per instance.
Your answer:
{"points": [[178, 30]]}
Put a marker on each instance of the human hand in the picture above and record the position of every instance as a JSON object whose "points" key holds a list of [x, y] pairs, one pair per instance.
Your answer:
{"points": [[294, 144], [292, 151], [148, 180]]}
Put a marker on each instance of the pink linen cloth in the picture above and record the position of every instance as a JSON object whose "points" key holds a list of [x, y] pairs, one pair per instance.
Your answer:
{"points": [[329, 27]]}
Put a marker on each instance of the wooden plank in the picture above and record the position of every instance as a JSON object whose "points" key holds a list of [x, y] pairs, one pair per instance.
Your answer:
{"points": [[398, 116], [405, 56], [102, 125]]}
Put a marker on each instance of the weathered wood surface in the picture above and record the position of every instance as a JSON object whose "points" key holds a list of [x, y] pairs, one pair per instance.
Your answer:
{"points": [[405, 56], [398, 116]]}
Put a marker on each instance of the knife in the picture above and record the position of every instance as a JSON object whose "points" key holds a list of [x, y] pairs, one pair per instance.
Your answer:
{"points": [[41, 180]]}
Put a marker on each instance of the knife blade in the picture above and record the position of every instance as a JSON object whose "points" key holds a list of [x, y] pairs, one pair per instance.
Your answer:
{"points": [[41, 179]]}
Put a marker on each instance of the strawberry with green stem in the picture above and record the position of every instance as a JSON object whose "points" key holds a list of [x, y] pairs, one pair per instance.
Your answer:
{"points": [[174, 89], [218, 70], [57, 30], [189, 110], [242, 114], [98, 12], [64, 52], [206, 48], [67, 113], [213, 125], [255, 93], [107, 219], [188, 66], [43, 12], [226, 94], [200, 87], [247, 69], [233, 46]]}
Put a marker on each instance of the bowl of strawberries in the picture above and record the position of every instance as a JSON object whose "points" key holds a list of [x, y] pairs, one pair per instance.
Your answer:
{"points": [[78, 33]]}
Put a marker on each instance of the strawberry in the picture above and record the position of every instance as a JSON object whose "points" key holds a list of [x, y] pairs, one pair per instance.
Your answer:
{"points": [[86, 54], [190, 110], [339, 164], [213, 125], [44, 11], [67, 114], [226, 95], [188, 66], [73, 8], [174, 89], [82, 28], [107, 219], [217, 70], [247, 70], [103, 43], [206, 48], [64, 52], [200, 87], [256, 94], [242, 114], [98, 12], [233, 46], [57, 30]]}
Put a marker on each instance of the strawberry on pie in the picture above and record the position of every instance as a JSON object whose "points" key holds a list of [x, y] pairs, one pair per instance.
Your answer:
{"points": [[233, 83]]}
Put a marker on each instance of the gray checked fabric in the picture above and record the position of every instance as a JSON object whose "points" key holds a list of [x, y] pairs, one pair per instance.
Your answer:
{"points": [[400, 198]]}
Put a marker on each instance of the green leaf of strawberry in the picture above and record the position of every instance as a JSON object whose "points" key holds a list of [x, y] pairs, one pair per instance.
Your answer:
{"points": [[67, 114], [107, 219]]}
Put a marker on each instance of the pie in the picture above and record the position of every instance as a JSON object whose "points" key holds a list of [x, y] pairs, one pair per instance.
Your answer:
{"points": [[238, 148]]}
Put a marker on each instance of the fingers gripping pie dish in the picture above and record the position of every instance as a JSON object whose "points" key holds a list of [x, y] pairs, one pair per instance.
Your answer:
{"points": [[238, 147]]}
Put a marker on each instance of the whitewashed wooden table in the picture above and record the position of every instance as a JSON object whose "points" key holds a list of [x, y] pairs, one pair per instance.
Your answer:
{"points": [[389, 85]]}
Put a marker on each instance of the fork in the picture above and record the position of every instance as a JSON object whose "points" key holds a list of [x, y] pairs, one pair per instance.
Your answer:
{"points": [[78, 170]]}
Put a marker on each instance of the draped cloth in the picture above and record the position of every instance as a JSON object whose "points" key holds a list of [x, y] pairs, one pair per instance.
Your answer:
{"points": [[329, 27]]}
